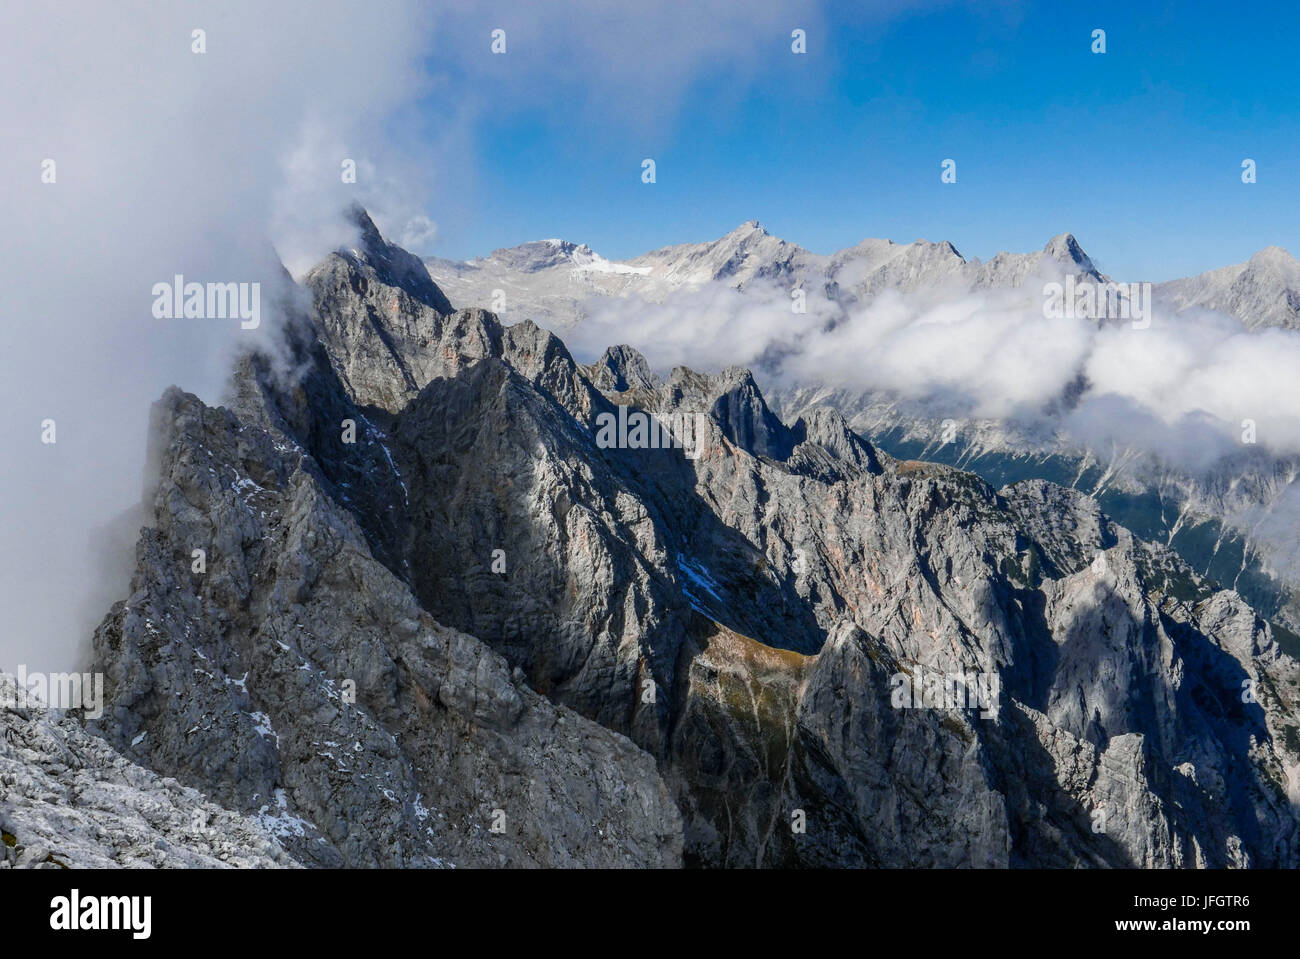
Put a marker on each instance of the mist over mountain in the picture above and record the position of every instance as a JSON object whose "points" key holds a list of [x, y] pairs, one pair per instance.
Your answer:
{"points": [[131, 160]]}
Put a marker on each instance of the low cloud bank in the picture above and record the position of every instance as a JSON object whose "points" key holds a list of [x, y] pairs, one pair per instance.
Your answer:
{"points": [[1186, 389]]}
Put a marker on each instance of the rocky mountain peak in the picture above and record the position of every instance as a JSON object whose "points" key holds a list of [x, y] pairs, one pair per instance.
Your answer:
{"points": [[750, 228], [1275, 257], [828, 428], [539, 255], [733, 400], [391, 264], [1065, 247], [1262, 292], [621, 369]]}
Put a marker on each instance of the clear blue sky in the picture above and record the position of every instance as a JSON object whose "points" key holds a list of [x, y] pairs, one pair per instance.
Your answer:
{"points": [[1136, 151]]}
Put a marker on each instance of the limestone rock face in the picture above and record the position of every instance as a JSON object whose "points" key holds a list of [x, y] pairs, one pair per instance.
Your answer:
{"points": [[296, 678]]}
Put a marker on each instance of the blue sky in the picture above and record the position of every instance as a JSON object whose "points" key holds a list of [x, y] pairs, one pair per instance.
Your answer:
{"points": [[1136, 151]]}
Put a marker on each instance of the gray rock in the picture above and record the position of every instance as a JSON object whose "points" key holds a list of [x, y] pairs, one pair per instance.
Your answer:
{"points": [[68, 799], [296, 679]]}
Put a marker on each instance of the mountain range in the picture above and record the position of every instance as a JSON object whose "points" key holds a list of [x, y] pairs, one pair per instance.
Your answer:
{"points": [[1219, 519], [438, 622], [549, 281]]}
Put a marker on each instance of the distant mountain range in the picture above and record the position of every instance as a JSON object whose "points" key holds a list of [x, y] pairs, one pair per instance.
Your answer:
{"points": [[549, 281]]}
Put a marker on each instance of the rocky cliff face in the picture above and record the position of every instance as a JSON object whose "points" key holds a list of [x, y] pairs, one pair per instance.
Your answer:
{"points": [[292, 676], [1231, 521], [483, 632]]}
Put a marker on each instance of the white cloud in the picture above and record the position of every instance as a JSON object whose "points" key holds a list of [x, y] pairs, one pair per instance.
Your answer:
{"points": [[167, 161], [1179, 389]]}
